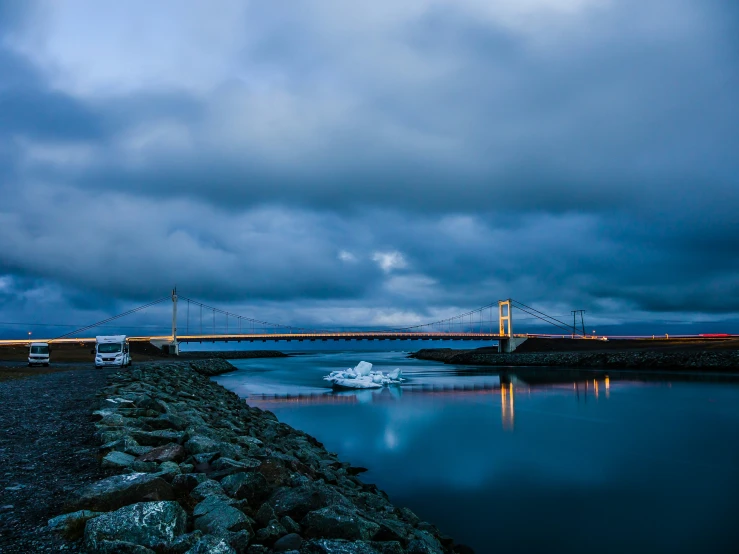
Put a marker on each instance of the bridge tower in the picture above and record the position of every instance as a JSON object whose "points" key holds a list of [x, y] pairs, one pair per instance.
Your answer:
{"points": [[174, 347], [505, 317], [507, 342]]}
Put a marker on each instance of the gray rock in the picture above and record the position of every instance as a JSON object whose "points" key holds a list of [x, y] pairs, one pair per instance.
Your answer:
{"points": [[121, 547], [212, 366], [207, 488], [240, 540], [329, 546], [121, 490], [205, 457], [188, 481], [72, 526], [212, 544], [145, 523], [265, 514], [120, 445], [168, 470], [183, 543], [148, 403], [409, 516], [251, 486], [393, 530], [290, 525], [171, 452], [209, 504], [339, 522], [222, 517], [292, 541], [109, 418], [298, 501], [228, 463], [424, 543], [158, 438], [270, 533], [145, 467], [117, 460], [199, 444]]}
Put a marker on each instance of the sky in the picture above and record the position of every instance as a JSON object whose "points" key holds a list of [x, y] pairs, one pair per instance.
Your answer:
{"points": [[331, 163]]}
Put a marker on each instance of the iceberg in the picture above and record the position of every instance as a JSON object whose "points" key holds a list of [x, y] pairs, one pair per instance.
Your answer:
{"points": [[362, 377]]}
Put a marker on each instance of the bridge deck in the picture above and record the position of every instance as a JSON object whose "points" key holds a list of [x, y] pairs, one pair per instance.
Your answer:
{"points": [[275, 337], [333, 337]]}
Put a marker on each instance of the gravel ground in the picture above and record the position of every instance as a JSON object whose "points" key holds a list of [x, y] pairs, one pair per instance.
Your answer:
{"points": [[46, 451]]}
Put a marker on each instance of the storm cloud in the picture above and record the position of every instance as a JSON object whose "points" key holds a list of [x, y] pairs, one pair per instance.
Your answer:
{"points": [[329, 163]]}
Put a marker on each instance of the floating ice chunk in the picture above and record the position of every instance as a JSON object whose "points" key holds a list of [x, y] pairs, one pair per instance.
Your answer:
{"points": [[362, 377], [359, 383], [363, 368]]}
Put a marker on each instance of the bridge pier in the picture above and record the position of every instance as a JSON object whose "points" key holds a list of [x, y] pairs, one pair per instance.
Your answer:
{"points": [[509, 344]]}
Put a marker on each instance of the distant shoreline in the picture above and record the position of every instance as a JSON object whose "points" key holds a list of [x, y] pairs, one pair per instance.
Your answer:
{"points": [[717, 361]]}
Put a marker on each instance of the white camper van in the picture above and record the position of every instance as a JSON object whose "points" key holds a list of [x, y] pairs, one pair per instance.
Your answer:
{"points": [[112, 350], [38, 353]]}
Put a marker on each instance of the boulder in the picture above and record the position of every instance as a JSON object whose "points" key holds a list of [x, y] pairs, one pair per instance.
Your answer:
{"points": [[121, 547], [227, 463], [72, 526], [292, 541], [183, 543], [208, 487], [329, 546], [199, 444], [210, 503], [270, 533], [187, 481], [171, 452], [290, 525], [339, 522], [222, 517], [158, 438], [145, 523], [121, 490], [251, 486], [117, 460], [298, 501], [212, 544], [425, 543]]}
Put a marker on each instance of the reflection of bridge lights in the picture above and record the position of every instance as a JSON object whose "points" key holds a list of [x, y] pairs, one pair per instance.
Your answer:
{"points": [[506, 406], [595, 384], [608, 387]]}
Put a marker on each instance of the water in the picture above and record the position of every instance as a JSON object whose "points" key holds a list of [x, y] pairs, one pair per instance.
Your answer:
{"points": [[527, 462]]}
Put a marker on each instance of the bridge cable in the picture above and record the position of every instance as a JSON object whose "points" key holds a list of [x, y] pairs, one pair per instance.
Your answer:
{"points": [[108, 320], [546, 318]]}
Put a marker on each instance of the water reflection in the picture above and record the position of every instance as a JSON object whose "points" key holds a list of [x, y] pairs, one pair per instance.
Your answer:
{"points": [[506, 387], [507, 407], [626, 451]]}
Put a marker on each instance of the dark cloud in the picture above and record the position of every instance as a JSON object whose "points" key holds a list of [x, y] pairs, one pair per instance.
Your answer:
{"points": [[580, 159]]}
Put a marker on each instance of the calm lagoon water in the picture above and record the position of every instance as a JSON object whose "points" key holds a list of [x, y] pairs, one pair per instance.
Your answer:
{"points": [[525, 462]]}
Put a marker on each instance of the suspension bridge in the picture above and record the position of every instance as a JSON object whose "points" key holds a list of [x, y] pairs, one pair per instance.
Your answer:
{"points": [[195, 321]]}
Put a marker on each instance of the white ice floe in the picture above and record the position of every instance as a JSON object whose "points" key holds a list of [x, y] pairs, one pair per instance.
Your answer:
{"points": [[362, 377]]}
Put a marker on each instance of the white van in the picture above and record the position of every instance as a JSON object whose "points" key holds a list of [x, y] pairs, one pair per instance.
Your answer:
{"points": [[112, 350], [38, 353]]}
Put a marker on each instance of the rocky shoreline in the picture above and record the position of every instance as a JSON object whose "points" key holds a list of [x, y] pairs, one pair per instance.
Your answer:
{"points": [[202, 472], [713, 361]]}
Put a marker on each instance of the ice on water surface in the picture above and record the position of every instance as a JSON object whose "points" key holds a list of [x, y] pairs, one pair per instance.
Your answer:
{"points": [[362, 377]]}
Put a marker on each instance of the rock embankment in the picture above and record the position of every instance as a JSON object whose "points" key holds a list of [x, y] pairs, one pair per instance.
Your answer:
{"points": [[202, 472], [718, 361]]}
